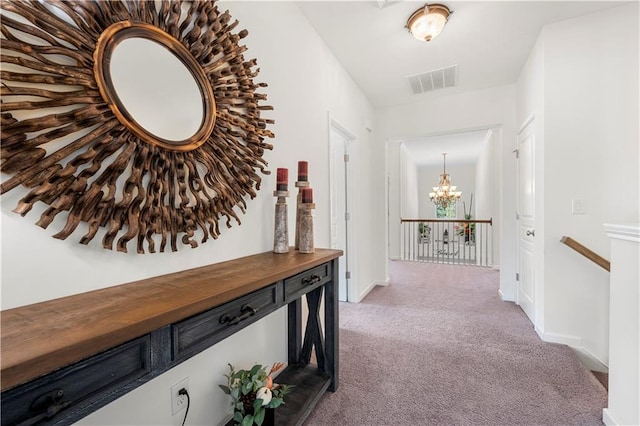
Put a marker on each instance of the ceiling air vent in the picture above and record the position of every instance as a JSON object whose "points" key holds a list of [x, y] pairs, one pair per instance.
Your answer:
{"points": [[433, 80]]}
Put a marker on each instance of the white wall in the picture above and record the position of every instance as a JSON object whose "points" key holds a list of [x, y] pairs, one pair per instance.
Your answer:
{"points": [[487, 191], [591, 125], [588, 138], [483, 109], [305, 83], [462, 175], [403, 193], [392, 163], [408, 185], [623, 407]]}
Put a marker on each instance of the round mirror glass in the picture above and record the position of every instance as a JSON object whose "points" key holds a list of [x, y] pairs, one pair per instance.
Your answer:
{"points": [[156, 88]]}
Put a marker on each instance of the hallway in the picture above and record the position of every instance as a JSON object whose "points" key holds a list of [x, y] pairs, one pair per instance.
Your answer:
{"points": [[438, 346]]}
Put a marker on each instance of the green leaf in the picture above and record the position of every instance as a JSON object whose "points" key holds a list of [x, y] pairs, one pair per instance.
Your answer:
{"points": [[235, 393], [247, 421], [257, 404], [225, 389], [259, 418], [275, 402], [255, 369], [246, 387], [237, 416], [240, 407]]}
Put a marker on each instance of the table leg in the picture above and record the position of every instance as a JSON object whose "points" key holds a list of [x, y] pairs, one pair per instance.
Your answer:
{"points": [[332, 327], [294, 320]]}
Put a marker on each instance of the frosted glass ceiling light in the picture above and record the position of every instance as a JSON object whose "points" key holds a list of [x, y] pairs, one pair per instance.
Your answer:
{"points": [[445, 193], [427, 22]]}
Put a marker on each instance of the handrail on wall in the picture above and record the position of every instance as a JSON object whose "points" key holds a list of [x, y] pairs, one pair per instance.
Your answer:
{"points": [[589, 254]]}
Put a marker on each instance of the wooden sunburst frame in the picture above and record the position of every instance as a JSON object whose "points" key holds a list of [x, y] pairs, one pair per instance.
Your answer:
{"points": [[66, 137]]}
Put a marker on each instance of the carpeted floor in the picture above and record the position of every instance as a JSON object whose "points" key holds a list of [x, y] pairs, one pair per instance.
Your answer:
{"points": [[439, 347]]}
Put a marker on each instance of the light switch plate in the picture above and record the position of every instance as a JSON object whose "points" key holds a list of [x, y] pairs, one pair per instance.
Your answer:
{"points": [[577, 206]]}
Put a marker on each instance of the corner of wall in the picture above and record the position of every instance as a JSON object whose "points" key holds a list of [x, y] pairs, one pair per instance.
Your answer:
{"points": [[370, 287], [550, 337]]}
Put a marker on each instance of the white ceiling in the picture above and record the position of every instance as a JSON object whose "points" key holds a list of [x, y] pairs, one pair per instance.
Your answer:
{"points": [[490, 41], [461, 148]]}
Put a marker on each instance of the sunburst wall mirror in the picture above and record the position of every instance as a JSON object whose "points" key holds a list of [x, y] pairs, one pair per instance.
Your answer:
{"points": [[138, 118]]}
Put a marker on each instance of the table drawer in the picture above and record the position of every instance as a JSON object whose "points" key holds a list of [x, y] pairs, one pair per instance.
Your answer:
{"points": [[73, 388], [203, 330], [302, 283]]}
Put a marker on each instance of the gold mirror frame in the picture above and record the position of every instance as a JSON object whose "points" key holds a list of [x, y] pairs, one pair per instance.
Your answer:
{"points": [[109, 40], [63, 140]]}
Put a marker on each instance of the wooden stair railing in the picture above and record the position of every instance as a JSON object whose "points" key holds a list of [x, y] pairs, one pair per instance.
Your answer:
{"points": [[592, 256]]}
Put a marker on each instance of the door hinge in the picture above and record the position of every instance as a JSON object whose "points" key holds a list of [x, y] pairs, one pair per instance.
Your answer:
{"points": [[517, 152], [517, 276], [347, 275], [347, 216], [346, 158], [517, 216]]}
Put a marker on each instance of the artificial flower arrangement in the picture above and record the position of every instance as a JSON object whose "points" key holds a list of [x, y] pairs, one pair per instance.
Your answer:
{"points": [[467, 230], [252, 392]]}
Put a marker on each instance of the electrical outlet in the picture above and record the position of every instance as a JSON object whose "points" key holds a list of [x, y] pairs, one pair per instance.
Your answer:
{"points": [[179, 402]]}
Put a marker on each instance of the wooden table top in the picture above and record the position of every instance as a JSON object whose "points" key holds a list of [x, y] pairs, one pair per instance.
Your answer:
{"points": [[40, 338]]}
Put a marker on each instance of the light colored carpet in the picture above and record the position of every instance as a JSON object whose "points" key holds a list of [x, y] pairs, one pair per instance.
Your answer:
{"points": [[439, 347]]}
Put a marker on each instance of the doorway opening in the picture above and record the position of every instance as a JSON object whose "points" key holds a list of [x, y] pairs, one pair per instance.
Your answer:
{"points": [[341, 205], [471, 235]]}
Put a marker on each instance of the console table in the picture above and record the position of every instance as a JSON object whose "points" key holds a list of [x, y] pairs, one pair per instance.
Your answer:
{"points": [[63, 359]]}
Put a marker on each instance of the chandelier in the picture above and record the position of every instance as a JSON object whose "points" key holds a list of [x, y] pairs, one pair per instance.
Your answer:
{"points": [[445, 193]]}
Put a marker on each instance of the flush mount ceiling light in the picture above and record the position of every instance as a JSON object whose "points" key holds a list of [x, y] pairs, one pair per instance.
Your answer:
{"points": [[427, 22]]}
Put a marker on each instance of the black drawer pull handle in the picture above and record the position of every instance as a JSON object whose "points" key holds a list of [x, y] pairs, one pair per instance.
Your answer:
{"points": [[246, 311], [312, 279], [47, 406]]}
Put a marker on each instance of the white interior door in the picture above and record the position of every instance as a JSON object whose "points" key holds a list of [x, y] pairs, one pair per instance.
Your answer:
{"points": [[340, 215], [526, 296]]}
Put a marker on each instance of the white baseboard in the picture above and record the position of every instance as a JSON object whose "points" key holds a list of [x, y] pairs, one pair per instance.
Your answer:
{"points": [[559, 338], [370, 287], [395, 258], [602, 363], [383, 283], [607, 418], [591, 361], [505, 298], [366, 291]]}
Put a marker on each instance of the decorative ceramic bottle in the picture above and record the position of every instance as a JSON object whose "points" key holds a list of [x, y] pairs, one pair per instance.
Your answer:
{"points": [[281, 229]]}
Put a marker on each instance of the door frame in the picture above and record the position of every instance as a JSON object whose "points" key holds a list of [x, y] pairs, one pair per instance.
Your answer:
{"points": [[351, 250], [526, 130]]}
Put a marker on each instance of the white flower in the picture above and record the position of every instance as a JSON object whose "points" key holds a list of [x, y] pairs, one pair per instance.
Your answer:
{"points": [[265, 395]]}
